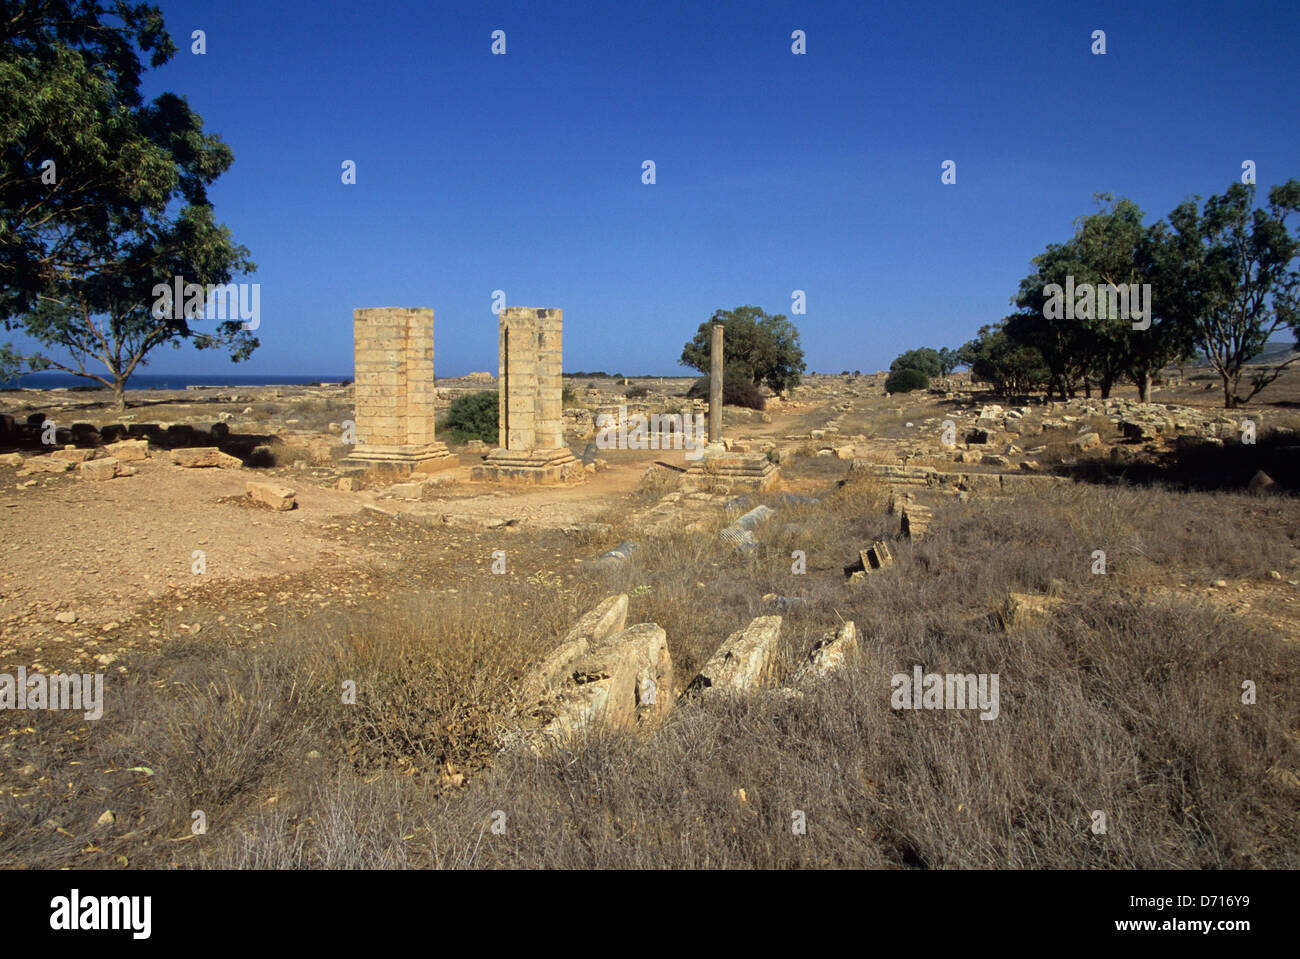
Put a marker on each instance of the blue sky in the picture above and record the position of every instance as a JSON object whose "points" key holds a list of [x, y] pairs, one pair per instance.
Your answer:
{"points": [[775, 172]]}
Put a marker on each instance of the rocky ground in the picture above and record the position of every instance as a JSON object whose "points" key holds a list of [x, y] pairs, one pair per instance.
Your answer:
{"points": [[133, 533]]}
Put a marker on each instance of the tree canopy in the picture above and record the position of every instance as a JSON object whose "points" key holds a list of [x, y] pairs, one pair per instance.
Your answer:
{"points": [[758, 347], [103, 196]]}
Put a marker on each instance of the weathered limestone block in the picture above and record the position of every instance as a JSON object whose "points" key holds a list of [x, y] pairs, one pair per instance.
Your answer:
{"points": [[1023, 610], [44, 464], [621, 682], [202, 457], [73, 455], [830, 654], [608, 617], [741, 663], [876, 556], [916, 521], [270, 495], [105, 469], [128, 451]]}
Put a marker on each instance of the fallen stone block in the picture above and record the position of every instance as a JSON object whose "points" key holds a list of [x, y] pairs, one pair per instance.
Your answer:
{"points": [[876, 556], [773, 603], [615, 557], [608, 617], [73, 455], [754, 518], [1087, 441], [1261, 482], [829, 654], [44, 464], [898, 499], [11, 459], [128, 451], [622, 682], [105, 469], [205, 457], [916, 521], [740, 540], [275, 497], [741, 663], [1027, 609]]}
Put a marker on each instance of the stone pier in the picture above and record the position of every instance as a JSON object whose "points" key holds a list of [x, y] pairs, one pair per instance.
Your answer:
{"points": [[530, 424], [394, 391]]}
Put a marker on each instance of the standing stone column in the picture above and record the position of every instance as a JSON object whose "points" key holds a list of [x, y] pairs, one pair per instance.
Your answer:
{"points": [[530, 428], [393, 389], [718, 469], [715, 384]]}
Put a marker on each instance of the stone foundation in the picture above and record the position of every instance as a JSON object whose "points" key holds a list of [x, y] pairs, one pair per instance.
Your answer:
{"points": [[528, 467], [727, 471]]}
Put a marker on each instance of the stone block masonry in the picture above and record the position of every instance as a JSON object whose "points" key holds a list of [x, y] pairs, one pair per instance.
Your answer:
{"points": [[530, 425], [394, 390]]}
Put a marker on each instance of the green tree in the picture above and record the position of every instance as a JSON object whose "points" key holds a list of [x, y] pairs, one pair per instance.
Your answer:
{"points": [[906, 379], [1119, 250], [949, 360], [926, 360], [763, 348], [1009, 366], [123, 205], [1236, 275], [472, 416]]}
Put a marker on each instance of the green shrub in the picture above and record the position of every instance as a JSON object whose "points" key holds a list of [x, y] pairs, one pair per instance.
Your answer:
{"points": [[471, 417], [737, 390], [906, 380], [636, 392]]}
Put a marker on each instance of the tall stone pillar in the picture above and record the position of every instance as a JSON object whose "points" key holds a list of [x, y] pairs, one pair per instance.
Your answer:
{"points": [[716, 375], [720, 470], [530, 426], [393, 389]]}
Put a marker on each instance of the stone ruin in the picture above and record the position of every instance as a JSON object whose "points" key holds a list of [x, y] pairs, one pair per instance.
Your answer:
{"points": [[530, 445], [608, 674], [720, 469], [394, 390]]}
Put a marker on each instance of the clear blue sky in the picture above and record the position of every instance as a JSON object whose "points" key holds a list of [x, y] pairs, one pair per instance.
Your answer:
{"points": [[775, 172]]}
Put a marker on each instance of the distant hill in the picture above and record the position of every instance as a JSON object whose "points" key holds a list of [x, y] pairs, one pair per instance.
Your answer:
{"points": [[1274, 352]]}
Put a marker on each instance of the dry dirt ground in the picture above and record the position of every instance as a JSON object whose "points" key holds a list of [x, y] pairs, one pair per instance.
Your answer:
{"points": [[104, 575], [127, 556]]}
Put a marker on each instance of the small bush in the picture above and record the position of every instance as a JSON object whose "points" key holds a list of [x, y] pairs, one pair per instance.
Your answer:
{"points": [[906, 380], [736, 391], [471, 417], [636, 392]]}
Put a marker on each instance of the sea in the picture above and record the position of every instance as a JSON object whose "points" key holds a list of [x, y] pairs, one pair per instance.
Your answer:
{"points": [[173, 381]]}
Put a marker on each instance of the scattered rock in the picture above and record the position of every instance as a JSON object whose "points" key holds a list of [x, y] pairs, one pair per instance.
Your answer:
{"points": [[829, 654], [204, 457], [741, 663], [275, 497]]}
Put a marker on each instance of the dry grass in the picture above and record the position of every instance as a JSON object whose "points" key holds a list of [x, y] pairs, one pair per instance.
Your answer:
{"points": [[1128, 703]]}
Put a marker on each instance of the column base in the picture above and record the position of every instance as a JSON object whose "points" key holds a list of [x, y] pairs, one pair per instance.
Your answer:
{"points": [[528, 467], [424, 458], [727, 471]]}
